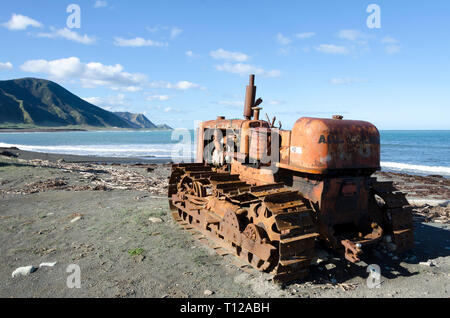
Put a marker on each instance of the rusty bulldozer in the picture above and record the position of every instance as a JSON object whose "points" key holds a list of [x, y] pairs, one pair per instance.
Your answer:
{"points": [[268, 195]]}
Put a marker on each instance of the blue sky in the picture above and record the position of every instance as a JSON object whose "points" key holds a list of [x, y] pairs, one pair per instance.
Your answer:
{"points": [[182, 61]]}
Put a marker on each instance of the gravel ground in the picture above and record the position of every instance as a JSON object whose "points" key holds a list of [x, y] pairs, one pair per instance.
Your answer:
{"points": [[122, 253]]}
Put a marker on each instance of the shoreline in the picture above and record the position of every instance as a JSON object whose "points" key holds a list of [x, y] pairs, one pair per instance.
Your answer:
{"points": [[27, 130], [421, 190], [50, 130], [32, 155]]}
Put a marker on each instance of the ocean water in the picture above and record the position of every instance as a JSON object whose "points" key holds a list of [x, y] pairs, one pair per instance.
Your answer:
{"points": [[417, 152], [136, 144]]}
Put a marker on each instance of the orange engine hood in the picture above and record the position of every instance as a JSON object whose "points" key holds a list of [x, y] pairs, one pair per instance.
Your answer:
{"points": [[318, 145]]}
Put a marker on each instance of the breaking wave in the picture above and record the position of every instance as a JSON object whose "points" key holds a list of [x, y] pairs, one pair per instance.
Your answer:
{"points": [[405, 167], [134, 150]]}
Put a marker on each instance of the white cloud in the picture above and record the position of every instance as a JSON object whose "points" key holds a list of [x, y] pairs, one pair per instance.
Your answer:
{"points": [[392, 44], [67, 34], [21, 22], [129, 89], [172, 110], [222, 54], [100, 4], [285, 50], [191, 54], [389, 40], [110, 102], [137, 42], [157, 107], [246, 69], [345, 81], [96, 74], [158, 97], [351, 35], [92, 74], [181, 85], [282, 39], [152, 29], [97, 101], [332, 49], [184, 85], [61, 69], [160, 84], [392, 49], [355, 36], [175, 32], [305, 35], [6, 66]]}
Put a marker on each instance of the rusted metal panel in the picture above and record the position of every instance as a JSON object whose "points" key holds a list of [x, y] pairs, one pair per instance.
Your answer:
{"points": [[255, 176], [246, 133], [285, 145], [336, 208], [259, 143], [200, 144], [324, 144]]}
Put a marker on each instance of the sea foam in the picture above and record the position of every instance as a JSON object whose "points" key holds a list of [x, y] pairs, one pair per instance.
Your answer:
{"points": [[416, 168], [133, 150]]}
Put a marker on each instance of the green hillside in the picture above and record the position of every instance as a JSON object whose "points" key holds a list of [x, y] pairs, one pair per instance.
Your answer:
{"points": [[31, 102]]}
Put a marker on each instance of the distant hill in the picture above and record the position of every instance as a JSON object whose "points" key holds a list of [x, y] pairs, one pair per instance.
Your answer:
{"points": [[163, 126], [42, 103], [136, 120]]}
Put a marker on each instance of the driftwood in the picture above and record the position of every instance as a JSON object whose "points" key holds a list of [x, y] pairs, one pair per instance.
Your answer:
{"points": [[428, 213]]}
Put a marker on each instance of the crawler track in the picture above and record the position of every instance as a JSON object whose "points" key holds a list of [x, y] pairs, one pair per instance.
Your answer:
{"points": [[270, 227], [397, 215]]}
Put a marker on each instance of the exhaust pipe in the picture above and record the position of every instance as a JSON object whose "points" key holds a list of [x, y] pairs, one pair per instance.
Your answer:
{"points": [[250, 98]]}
